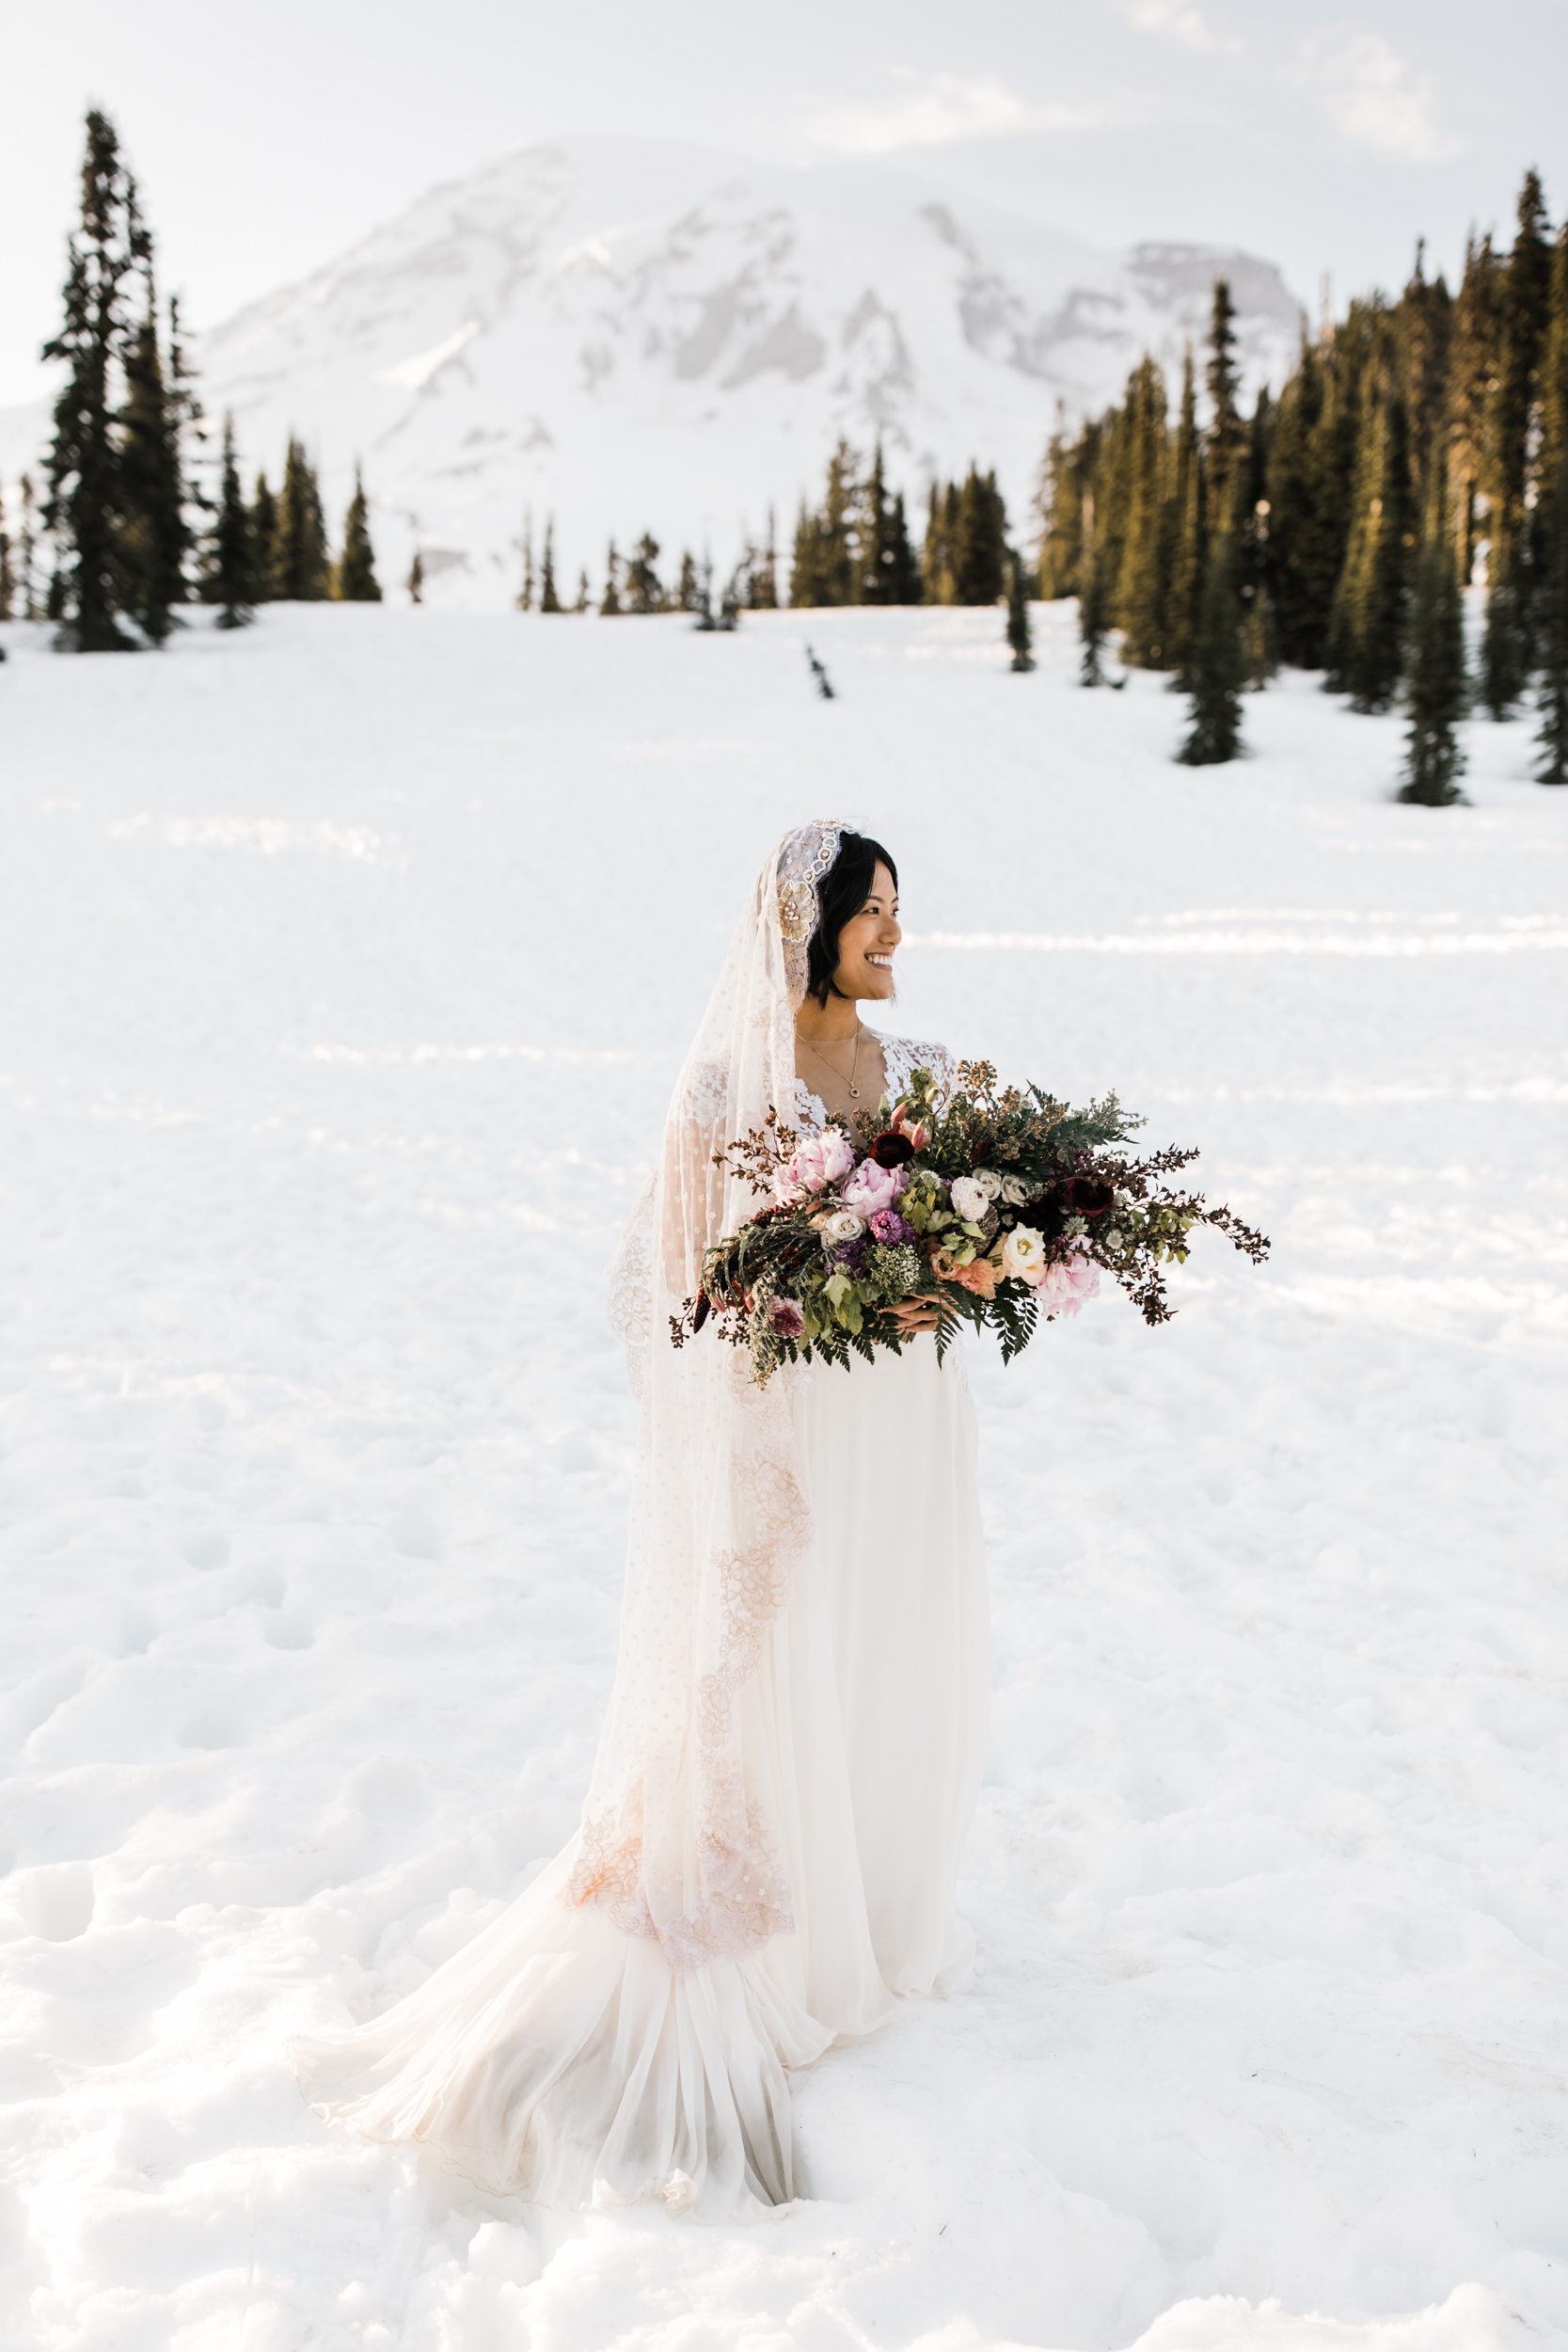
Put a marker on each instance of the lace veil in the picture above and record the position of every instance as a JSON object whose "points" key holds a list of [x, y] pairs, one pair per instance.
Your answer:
{"points": [[676, 1840]]}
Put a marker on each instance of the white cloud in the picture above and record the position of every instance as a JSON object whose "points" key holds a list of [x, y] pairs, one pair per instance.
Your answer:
{"points": [[1177, 21], [933, 110], [1372, 95]]}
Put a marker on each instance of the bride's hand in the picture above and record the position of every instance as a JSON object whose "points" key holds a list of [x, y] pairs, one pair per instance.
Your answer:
{"points": [[918, 1314]]}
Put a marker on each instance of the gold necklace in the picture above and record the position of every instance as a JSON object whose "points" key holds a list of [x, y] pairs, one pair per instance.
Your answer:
{"points": [[854, 1064]]}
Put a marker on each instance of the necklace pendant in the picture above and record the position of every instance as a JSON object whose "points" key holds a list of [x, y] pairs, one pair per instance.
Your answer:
{"points": [[855, 1092]]}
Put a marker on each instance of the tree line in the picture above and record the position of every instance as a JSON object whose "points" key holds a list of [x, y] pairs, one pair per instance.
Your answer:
{"points": [[131, 529], [1336, 526]]}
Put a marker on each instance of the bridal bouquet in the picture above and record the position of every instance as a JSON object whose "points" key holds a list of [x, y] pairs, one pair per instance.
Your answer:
{"points": [[1005, 1206]]}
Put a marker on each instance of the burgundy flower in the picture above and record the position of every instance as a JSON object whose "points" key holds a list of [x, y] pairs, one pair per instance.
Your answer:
{"points": [[699, 1313], [1085, 1197], [785, 1319], [893, 1150]]}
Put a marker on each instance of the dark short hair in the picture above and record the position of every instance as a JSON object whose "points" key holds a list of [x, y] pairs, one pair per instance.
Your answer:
{"points": [[842, 892]]}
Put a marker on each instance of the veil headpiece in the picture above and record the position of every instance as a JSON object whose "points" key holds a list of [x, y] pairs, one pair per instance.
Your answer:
{"points": [[675, 1842]]}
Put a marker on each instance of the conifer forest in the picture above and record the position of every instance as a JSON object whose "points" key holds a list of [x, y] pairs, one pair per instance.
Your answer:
{"points": [[1416, 451]]}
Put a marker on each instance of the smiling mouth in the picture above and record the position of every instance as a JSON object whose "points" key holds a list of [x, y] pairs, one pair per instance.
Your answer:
{"points": [[883, 964]]}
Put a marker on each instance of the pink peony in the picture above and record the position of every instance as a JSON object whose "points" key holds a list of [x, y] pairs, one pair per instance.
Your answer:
{"points": [[815, 1164], [1065, 1286], [872, 1188]]}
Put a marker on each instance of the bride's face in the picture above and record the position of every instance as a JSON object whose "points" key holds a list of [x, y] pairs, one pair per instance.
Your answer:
{"points": [[866, 942]]}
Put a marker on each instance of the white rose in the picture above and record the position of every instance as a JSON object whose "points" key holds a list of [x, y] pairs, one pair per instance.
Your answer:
{"points": [[1016, 1190], [1023, 1254], [990, 1183], [843, 1225], [970, 1198]]}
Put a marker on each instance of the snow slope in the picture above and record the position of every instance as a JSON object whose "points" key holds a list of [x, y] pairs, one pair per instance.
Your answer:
{"points": [[635, 335], [344, 966]]}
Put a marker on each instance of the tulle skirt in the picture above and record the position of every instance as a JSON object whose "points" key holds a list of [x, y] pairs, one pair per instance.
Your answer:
{"points": [[557, 2058]]}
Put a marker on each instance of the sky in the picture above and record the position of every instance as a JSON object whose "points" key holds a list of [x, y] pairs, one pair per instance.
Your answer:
{"points": [[267, 140]]}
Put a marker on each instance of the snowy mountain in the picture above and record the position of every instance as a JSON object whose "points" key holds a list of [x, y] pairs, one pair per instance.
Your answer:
{"points": [[636, 335]]}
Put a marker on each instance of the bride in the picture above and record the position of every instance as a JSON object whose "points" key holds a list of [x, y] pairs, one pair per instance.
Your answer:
{"points": [[794, 1745]]}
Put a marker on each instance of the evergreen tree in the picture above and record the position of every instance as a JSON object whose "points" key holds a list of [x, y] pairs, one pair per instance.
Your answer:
{"points": [[1227, 435], [824, 567], [550, 599], [263, 541], [1185, 531], [1473, 362], [8, 569], [27, 552], [83, 510], [1553, 635], [1367, 627], [942, 522], [153, 538], [584, 599], [1018, 636], [1435, 685], [416, 579], [1525, 297], [354, 581], [763, 571], [887, 571], [301, 572], [685, 586], [644, 593], [1094, 621], [977, 549], [231, 564], [610, 603], [1423, 326], [1142, 583], [525, 593], [1218, 669]]}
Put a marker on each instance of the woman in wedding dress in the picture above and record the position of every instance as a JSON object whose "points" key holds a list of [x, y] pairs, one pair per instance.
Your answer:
{"points": [[794, 1744]]}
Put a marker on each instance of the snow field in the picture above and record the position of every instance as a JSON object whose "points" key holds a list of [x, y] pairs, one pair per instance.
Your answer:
{"points": [[344, 967]]}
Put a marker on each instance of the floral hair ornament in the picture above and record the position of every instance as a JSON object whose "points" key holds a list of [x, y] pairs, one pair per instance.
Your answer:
{"points": [[805, 856]]}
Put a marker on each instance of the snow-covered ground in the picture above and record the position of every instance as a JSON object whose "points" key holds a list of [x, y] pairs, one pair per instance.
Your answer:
{"points": [[344, 966]]}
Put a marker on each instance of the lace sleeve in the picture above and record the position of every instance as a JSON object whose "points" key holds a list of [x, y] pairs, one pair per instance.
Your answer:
{"points": [[903, 1056]]}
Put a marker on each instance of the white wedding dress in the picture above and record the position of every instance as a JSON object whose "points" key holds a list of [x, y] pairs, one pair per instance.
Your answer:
{"points": [[561, 2058]]}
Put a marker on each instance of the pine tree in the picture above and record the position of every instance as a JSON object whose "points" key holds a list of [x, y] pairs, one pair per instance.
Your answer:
{"points": [[763, 571], [978, 550], [549, 595], [354, 582], [27, 552], [1366, 627], [153, 538], [300, 569], [1217, 670], [263, 541], [644, 592], [1553, 635], [1473, 362], [1094, 621], [686, 585], [584, 597], [1506, 651], [1018, 636], [7, 570], [1185, 532], [824, 566], [231, 566], [942, 522], [1141, 585], [82, 509], [525, 593], [1225, 441], [416, 579], [1436, 684], [610, 603]]}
